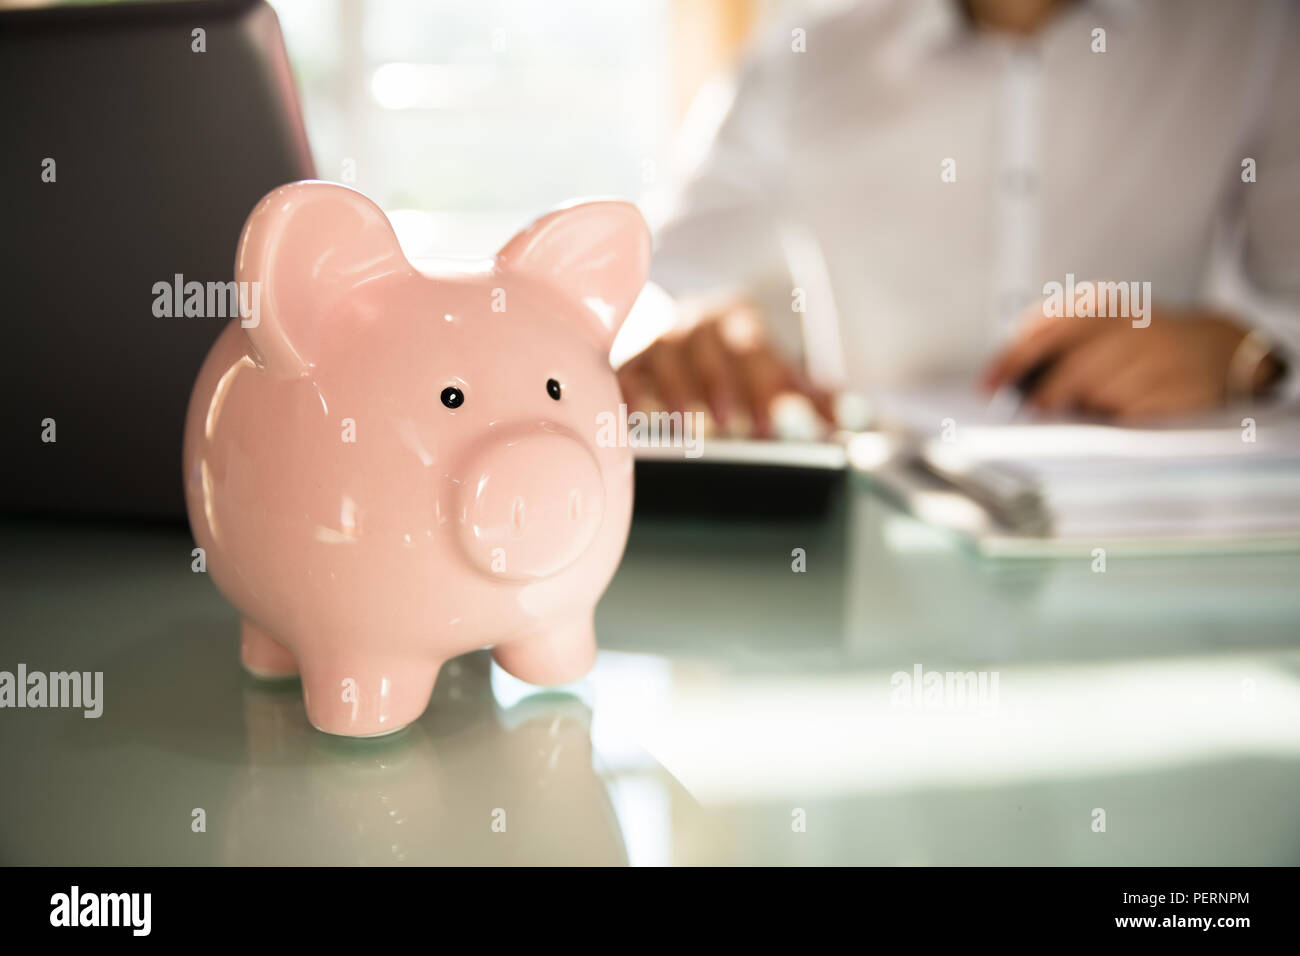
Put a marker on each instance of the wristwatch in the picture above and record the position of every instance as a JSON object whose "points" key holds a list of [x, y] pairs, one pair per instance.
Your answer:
{"points": [[1255, 366]]}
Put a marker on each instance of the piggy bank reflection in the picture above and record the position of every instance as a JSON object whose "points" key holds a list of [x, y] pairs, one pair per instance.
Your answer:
{"points": [[387, 469], [473, 783]]}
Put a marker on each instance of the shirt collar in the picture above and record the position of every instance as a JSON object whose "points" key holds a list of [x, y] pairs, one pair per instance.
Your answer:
{"points": [[932, 24]]}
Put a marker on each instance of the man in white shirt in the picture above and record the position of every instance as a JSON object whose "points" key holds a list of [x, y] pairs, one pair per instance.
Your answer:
{"points": [[969, 187]]}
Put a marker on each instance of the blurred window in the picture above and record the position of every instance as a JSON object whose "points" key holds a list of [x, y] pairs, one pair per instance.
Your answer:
{"points": [[465, 118]]}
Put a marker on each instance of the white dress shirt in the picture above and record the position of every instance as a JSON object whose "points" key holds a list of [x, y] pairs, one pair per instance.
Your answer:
{"points": [[1122, 165]]}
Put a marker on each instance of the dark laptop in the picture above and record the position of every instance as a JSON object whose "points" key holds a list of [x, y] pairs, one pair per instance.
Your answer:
{"points": [[159, 152]]}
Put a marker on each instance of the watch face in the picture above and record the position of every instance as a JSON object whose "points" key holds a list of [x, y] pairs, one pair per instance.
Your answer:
{"points": [[1255, 367]]}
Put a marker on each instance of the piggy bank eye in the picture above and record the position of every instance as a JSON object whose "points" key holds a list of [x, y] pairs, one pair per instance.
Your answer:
{"points": [[553, 388], [452, 397]]}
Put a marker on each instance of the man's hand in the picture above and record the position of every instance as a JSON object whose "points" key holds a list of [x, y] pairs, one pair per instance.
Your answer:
{"points": [[1178, 364], [722, 362]]}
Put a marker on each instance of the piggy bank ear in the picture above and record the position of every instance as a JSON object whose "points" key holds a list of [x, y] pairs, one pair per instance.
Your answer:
{"points": [[596, 253], [306, 246]]}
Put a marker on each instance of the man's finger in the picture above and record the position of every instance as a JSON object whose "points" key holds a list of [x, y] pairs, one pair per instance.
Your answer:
{"points": [[1127, 386], [1076, 374], [1174, 398], [713, 371], [671, 375], [1040, 340], [765, 376], [631, 381], [820, 398]]}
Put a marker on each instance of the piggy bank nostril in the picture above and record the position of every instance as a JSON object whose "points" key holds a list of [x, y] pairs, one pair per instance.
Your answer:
{"points": [[517, 515]]}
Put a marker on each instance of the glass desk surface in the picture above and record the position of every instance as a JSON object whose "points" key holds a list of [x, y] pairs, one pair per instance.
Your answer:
{"points": [[900, 701]]}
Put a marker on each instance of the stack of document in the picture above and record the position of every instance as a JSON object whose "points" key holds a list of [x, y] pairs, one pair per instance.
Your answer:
{"points": [[1232, 480], [1090, 480]]}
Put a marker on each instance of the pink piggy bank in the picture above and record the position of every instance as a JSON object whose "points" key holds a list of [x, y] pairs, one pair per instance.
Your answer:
{"points": [[387, 469]]}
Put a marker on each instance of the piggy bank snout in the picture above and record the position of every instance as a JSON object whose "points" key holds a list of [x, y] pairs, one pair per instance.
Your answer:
{"points": [[530, 505]]}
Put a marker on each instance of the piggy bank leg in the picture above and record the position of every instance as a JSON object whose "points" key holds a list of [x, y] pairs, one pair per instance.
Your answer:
{"points": [[366, 697], [262, 655], [558, 653]]}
